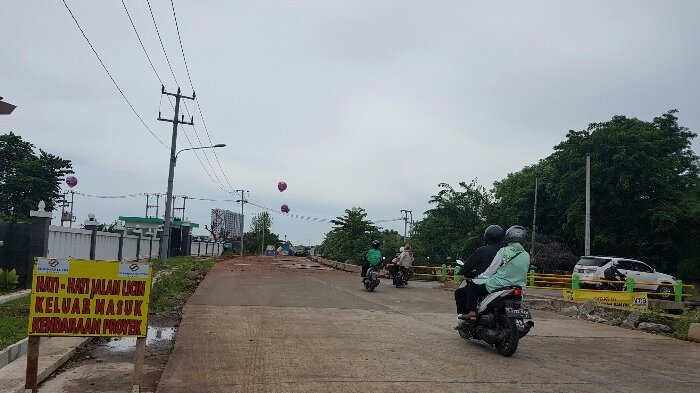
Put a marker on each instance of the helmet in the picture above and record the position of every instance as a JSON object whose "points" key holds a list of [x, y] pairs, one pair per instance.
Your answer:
{"points": [[375, 244], [516, 234], [401, 249], [493, 234]]}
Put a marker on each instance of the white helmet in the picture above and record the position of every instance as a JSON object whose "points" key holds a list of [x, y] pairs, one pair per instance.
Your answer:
{"points": [[401, 249]]}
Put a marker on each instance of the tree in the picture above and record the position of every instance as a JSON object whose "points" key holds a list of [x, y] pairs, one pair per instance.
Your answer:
{"points": [[260, 228], [27, 178], [454, 227], [350, 237], [644, 179]]}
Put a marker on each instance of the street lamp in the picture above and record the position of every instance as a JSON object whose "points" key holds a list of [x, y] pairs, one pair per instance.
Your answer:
{"points": [[167, 225]]}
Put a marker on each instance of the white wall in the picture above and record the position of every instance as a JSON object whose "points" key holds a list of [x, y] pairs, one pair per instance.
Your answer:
{"points": [[206, 248], [75, 243]]}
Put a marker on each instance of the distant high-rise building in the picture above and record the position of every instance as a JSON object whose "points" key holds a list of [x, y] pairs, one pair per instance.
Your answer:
{"points": [[226, 222]]}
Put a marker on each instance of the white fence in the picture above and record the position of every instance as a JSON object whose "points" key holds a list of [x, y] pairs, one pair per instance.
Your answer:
{"points": [[75, 243], [206, 248]]}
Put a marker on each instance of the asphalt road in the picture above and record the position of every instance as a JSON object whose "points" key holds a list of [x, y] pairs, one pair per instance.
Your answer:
{"points": [[255, 326]]}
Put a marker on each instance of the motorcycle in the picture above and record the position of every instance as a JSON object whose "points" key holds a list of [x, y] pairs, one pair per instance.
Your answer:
{"points": [[371, 279], [401, 277], [500, 321]]}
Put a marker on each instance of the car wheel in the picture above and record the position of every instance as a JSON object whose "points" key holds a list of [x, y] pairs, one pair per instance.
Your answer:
{"points": [[664, 289]]}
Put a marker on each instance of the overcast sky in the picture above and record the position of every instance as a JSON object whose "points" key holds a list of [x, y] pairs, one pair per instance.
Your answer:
{"points": [[352, 103]]}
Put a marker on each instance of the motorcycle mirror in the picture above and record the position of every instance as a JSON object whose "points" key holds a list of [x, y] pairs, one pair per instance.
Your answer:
{"points": [[460, 263]]}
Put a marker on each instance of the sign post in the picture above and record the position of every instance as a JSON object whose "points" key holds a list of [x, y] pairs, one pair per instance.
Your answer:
{"points": [[88, 298]]}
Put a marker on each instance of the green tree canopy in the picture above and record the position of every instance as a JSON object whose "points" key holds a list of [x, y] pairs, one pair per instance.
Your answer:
{"points": [[260, 233], [27, 178], [454, 227], [644, 179]]}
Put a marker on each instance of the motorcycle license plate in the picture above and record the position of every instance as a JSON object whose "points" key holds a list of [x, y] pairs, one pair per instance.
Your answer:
{"points": [[518, 313]]}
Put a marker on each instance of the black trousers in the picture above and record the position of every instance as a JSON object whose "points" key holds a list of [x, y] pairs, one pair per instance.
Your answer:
{"points": [[468, 297]]}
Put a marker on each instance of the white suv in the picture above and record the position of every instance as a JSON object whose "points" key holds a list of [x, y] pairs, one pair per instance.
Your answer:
{"points": [[645, 277]]}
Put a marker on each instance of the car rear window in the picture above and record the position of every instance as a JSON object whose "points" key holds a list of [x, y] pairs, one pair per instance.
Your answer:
{"points": [[593, 261]]}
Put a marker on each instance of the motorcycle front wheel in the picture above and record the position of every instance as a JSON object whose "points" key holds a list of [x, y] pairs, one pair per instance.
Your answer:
{"points": [[509, 344]]}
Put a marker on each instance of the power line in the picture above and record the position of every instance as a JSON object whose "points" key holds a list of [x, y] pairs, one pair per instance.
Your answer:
{"points": [[216, 181], [142, 46], [199, 107], [110, 74]]}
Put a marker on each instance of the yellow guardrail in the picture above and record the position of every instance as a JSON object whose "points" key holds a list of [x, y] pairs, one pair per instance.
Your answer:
{"points": [[548, 280]]}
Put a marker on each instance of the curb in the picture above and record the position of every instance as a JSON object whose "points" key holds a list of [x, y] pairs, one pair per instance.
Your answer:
{"points": [[15, 351], [44, 370]]}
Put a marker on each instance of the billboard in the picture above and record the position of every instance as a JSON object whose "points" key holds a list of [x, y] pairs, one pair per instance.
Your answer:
{"points": [[225, 223]]}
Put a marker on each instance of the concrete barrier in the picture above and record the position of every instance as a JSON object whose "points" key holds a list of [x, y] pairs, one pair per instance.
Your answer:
{"points": [[348, 267], [694, 332]]}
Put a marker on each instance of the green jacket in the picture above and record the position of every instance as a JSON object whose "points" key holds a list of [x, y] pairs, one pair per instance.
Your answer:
{"points": [[513, 270], [373, 256]]}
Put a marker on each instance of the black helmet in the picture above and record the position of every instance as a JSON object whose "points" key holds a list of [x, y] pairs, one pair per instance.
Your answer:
{"points": [[375, 244], [516, 234], [493, 234]]}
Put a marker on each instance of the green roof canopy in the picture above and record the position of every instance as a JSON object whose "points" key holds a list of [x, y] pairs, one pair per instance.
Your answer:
{"points": [[154, 220]]}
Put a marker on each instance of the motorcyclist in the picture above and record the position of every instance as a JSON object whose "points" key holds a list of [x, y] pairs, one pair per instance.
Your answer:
{"points": [[512, 271], [373, 258], [613, 274], [406, 259], [478, 262]]}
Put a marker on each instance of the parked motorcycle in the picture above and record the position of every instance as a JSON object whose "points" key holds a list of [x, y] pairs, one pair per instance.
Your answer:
{"points": [[500, 321], [371, 279]]}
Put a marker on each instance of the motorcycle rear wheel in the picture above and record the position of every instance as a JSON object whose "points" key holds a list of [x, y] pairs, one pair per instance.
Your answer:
{"points": [[509, 344]]}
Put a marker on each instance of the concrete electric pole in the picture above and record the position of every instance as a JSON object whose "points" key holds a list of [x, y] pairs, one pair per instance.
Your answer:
{"points": [[587, 250], [406, 214], [242, 201], [167, 225]]}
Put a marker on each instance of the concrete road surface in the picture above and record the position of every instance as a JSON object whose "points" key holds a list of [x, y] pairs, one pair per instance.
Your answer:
{"points": [[256, 326]]}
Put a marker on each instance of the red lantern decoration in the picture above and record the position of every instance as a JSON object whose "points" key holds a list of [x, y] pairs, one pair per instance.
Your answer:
{"points": [[285, 209], [72, 181], [281, 186]]}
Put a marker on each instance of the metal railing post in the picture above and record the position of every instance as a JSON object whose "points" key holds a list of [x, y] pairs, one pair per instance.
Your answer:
{"points": [[679, 291], [443, 272], [532, 277], [575, 283], [457, 277]]}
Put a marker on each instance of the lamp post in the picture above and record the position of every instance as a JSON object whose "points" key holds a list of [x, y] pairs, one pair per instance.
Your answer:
{"points": [[167, 225]]}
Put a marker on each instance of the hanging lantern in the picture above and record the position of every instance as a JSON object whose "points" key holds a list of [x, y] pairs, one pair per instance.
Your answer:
{"points": [[281, 186], [285, 209], [72, 181]]}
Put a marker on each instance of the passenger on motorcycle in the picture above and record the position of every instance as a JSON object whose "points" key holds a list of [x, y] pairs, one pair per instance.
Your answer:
{"points": [[512, 271], [403, 261], [373, 258], [477, 263]]}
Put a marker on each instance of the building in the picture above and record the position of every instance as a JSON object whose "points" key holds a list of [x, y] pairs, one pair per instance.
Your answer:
{"points": [[225, 223]]}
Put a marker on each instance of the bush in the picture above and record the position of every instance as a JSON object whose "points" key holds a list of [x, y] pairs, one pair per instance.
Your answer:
{"points": [[683, 324], [8, 279]]}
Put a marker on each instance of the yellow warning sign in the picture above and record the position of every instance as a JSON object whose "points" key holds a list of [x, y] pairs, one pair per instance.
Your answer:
{"points": [[89, 298]]}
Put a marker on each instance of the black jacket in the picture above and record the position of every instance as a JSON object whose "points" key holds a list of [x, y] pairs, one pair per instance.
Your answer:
{"points": [[480, 260]]}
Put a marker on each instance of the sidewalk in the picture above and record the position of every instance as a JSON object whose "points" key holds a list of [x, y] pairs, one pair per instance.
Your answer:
{"points": [[52, 355], [14, 295]]}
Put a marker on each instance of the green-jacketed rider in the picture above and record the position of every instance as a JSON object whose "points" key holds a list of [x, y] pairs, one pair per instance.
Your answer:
{"points": [[373, 257]]}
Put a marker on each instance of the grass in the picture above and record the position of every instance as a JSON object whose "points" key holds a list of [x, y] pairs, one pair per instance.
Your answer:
{"points": [[14, 319], [172, 289]]}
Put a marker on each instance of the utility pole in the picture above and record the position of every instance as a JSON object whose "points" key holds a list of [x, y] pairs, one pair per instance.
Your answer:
{"points": [[242, 201], [534, 225], [149, 206], [264, 222], [587, 246], [167, 225], [406, 214]]}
